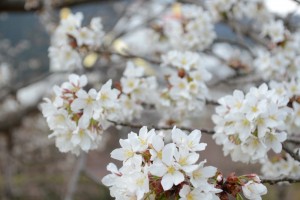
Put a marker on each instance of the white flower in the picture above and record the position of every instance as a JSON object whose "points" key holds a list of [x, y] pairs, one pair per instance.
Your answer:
{"points": [[275, 29], [84, 36], [274, 141], [85, 101], [201, 174], [133, 70], [82, 138], [157, 147], [129, 84], [187, 194], [64, 58], [191, 141], [186, 38], [127, 151], [167, 168], [248, 125], [187, 160], [106, 96], [281, 166], [75, 83], [186, 89], [68, 39], [78, 118], [253, 190]]}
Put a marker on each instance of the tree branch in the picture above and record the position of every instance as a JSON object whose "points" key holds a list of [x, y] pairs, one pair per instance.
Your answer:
{"points": [[293, 141], [138, 126], [289, 151], [297, 1], [72, 186], [19, 6], [279, 180], [127, 56], [235, 43], [13, 119]]}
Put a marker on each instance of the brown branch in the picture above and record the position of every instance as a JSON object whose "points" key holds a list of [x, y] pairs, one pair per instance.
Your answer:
{"points": [[293, 141], [211, 102], [297, 1], [128, 56], [235, 43], [279, 180], [8, 167], [244, 30], [14, 119], [19, 6], [289, 151], [12, 90], [73, 182], [138, 126]]}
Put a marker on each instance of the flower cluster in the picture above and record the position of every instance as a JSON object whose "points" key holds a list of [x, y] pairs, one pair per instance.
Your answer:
{"points": [[281, 62], [77, 117], [187, 88], [290, 89], [252, 188], [135, 91], [238, 9], [275, 30], [70, 42], [250, 184], [248, 126], [155, 170], [186, 27], [281, 166], [278, 57]]}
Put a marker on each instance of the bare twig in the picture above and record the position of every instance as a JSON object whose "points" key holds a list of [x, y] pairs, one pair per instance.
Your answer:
{"points": [[91, 176], [8, 166], [279, 180], [128, 56], [244, 30], [125, 14], [289, 151], [141, 25], [72, 185], [11, 90], [234, 42], [212, 102], [14, 119], [297, 1], [293, 141], [138, 126], [19, 6]]}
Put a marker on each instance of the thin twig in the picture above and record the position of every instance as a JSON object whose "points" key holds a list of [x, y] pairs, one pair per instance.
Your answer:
{"points": [[289, 151], [279, 180], [72, 185], [293, 141], [8, 167], [128, 56], [211, 102], [235, 43], [244, 30], [18, 6], [297, 1], [138, 126]]}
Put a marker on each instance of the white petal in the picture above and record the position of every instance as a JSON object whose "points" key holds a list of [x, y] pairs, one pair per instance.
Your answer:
{"points": [[167, 182], [178, 177], [168, 153], [118, 154]]}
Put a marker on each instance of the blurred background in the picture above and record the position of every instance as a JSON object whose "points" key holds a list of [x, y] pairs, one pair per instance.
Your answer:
{"points": [[31, 166]]}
